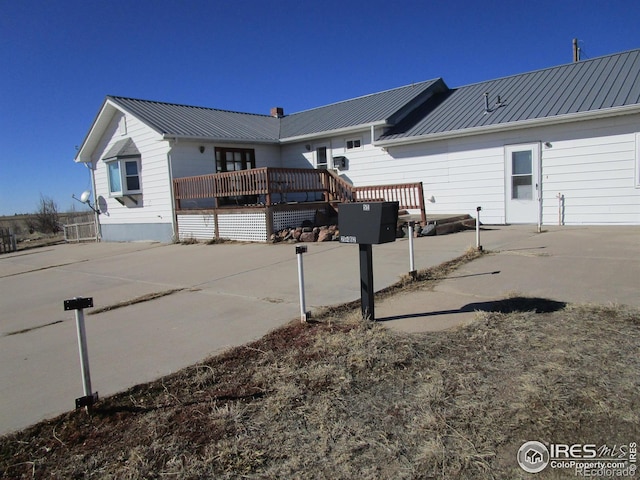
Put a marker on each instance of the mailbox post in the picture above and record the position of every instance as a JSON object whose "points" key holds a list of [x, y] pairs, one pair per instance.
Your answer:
{"points": [[367, 224]]}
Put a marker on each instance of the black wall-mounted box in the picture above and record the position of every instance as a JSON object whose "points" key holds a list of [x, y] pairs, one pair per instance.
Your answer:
{"points": [[368, 223]]}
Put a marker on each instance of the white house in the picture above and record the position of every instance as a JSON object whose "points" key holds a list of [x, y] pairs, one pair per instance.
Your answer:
{"points": [[558, 145]]}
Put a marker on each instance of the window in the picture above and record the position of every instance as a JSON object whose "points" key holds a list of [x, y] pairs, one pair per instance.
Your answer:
{"points": [[354, 143], [521, 175], [234, 159], [124, 177], [321, 158]]}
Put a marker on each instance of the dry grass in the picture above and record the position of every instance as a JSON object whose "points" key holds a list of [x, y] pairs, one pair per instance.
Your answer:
{"points": [[424, 279], [342, 398]]}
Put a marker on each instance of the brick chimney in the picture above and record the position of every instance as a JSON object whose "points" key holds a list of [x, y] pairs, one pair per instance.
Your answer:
{"points": [[277, 112]]}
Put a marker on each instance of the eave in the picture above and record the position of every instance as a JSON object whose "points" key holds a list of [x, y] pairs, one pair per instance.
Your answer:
{"points": [[196, 138], [503, 127], [91, 140]]}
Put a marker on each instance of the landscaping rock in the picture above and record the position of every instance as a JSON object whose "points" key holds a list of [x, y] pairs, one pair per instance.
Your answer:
{"points": [[308, 237], [325, 235]]}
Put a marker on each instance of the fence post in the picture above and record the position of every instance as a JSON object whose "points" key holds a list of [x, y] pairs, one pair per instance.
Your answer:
{"points": [[268, 195]]}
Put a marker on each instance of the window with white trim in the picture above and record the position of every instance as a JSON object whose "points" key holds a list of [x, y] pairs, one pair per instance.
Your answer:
{"points": [[124, 176], [353, 143], [322, 158]]}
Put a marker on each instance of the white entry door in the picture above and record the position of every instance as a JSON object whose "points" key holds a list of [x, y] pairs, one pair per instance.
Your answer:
{"points": [[522, 175]]}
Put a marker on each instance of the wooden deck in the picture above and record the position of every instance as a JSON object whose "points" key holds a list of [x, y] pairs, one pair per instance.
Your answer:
{"points": [[261, 187]]}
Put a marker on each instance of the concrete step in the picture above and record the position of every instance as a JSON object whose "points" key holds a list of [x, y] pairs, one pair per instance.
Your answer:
{"points": [[455, 224]]}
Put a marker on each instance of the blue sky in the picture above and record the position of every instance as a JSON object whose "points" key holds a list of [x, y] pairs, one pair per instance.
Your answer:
{"points": [[59, 59]]}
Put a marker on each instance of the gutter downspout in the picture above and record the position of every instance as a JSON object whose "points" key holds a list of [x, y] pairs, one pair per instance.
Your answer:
{"points": [[539, 187], [95, 201], [174, 217]]}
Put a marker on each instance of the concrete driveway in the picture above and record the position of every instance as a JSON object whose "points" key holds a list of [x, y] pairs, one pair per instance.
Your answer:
{"points": [[229, 294]]}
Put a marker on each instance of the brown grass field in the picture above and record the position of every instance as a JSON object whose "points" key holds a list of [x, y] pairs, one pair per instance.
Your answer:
{"points": [[343, 398]]}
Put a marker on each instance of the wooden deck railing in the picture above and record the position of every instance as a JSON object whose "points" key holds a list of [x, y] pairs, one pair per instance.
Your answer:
{"points": [[258, 181], [408, 195], [267, 182]]}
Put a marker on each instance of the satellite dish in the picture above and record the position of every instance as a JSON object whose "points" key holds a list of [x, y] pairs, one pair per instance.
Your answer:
{"points": [[84, 198]]}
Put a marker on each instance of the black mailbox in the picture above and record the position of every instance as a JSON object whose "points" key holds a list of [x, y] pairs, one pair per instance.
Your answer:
{"points": [[368, 223]]}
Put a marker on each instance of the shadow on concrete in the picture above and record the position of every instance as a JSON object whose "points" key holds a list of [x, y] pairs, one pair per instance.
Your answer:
{"points": [[508, 305]]}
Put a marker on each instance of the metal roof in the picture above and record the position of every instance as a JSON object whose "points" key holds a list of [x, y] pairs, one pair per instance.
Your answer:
{"points": [[185, 121], [121, 149], [383, 107], [592, 85], [414, 112]]}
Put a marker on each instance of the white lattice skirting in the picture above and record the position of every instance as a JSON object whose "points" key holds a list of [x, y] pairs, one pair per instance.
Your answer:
{"points": [[196, 227], [245, 227], [292, 219]]}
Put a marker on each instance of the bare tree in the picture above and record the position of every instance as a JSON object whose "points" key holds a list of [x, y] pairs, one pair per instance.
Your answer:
{"points": [[46, 217]]}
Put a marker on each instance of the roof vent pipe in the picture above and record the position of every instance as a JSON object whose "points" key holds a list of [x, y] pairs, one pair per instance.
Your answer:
{"points": [[486, 102]]}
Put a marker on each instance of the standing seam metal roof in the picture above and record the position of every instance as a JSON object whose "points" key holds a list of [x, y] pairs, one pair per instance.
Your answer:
{"points": [[590, 85], [417, 110], [366, 110], [188, 121]]}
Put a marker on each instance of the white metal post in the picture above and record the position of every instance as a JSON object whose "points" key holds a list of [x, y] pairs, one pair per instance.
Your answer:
{"points": [[78, 304], [412, 264], [84, 355], [303, 309], [478, 246]]}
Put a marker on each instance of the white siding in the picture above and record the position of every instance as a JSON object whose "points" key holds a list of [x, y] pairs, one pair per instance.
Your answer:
{"points": [[594, 164], [154, 206], [187, 161], [595, 175]]}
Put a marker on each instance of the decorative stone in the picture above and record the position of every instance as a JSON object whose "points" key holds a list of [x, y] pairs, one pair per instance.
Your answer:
{"points": [[308, 237], [428, 230], [325, 235]]}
